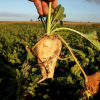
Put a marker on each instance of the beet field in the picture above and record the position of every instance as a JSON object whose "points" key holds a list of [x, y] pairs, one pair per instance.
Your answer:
{"points": [[76, 75]]}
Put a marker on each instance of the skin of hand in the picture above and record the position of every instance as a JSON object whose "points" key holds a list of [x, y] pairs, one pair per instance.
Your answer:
{"points": [[42, 6]]}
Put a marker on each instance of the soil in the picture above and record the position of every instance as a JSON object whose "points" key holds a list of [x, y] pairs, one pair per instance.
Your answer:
{"points": [[92, 85], [93, 82], [65, 22]]}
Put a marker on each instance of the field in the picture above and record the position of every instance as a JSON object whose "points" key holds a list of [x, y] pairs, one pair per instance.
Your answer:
{"points": [[65, 22], [19, 70]]}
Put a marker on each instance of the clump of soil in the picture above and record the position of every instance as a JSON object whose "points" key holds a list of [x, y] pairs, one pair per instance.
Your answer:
{"points": [[93, 82], [92, 85]]}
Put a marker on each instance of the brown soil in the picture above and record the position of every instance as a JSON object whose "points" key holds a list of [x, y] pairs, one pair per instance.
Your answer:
{"points": [[92, 85], [93, 82], [65, 23], [79, 23], [12, 22]]}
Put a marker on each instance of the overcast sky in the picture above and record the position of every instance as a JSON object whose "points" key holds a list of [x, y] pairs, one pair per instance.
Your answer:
{"points": [[75, 10]]}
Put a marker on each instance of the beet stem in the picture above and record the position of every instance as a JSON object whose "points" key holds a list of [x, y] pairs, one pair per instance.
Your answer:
{"points": [[49, 21]]}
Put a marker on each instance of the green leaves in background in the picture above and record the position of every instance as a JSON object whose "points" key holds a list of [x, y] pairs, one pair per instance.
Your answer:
{"points": [[68, 78], [35, 78], [79, 52], [92, 37]]}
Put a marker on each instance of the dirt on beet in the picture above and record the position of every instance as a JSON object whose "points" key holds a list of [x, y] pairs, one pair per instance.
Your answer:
{"points": [[47, 49], [92, 85], [93, 82]]}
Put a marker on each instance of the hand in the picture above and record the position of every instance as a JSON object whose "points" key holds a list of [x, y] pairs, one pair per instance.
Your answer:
{"points": [[42, 6]]}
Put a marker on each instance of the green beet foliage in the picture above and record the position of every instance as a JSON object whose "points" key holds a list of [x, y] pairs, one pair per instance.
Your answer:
{"points": [[19, 71]]}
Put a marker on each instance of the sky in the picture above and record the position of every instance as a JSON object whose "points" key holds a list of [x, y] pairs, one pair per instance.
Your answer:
{"points": [[75, 10]]}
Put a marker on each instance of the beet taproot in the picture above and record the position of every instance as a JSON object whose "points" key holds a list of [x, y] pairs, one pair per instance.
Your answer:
{"points": [[47, 50]]}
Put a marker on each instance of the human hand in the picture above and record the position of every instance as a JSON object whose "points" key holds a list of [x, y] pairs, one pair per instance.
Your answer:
{"points": [[42, 6]]}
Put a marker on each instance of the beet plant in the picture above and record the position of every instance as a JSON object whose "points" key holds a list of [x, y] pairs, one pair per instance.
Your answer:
{"points": [[19, 74], [48, 47]]}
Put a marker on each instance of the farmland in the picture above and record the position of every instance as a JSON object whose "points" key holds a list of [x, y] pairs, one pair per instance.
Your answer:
{"points": [[65, 22], [19, 70]]}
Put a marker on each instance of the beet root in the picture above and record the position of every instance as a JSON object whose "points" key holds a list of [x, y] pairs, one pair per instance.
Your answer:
{"points": [[47, 50]]}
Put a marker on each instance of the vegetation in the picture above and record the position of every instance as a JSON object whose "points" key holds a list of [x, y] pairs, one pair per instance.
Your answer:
{"points": [[19, 69], [67, 80]]}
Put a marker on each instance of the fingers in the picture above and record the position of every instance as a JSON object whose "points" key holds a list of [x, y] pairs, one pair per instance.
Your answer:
{"points": [[54, 4], [52, 10], [46, 4], [45, 7], [38, 6], [42, 6]]}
